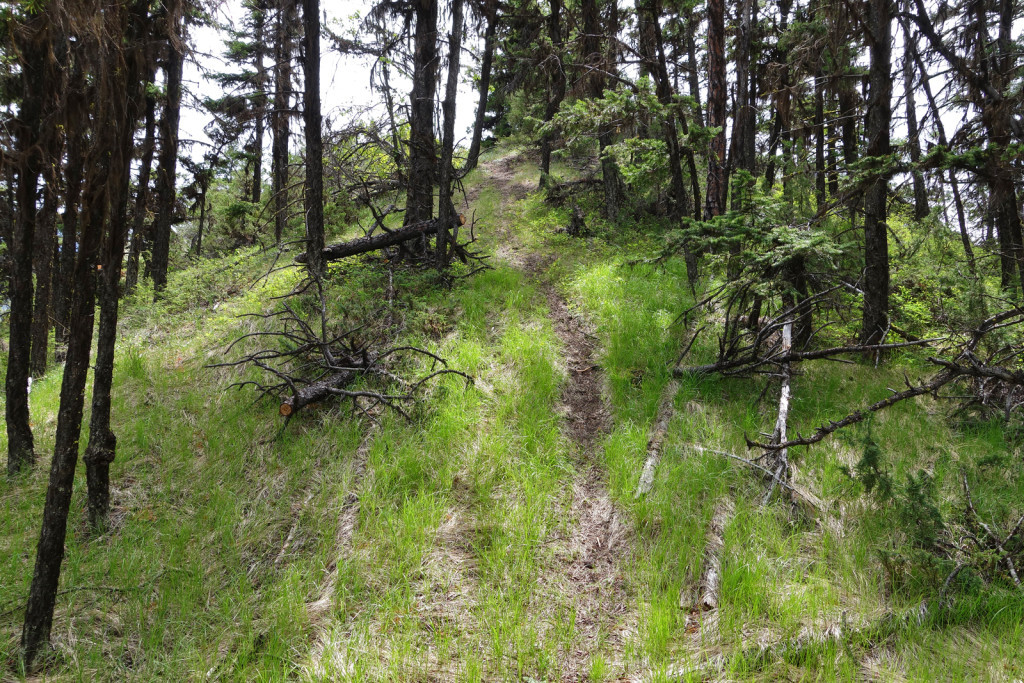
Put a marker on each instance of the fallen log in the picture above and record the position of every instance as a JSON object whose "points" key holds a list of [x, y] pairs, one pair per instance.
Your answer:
{"points": [[365, 245], [666, 408], [317, 391]]}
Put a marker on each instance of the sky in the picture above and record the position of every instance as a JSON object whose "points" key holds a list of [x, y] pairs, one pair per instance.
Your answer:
{"points": [[345, 79]]}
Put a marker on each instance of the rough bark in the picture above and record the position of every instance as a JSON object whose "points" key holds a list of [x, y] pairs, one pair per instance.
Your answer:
{"points": [[556, 87], [681, 201], [364, 245], [64, 283], [595, 62], [102, 444], [446, 211], [483, 87], [820, 180], [107, 165], [131, 278], [260, 114], [419, 203], [921, 208], [875, 321], [33, 49], [44, 255], [314, 197], [282, 112], [716, 108], [167, 168]]}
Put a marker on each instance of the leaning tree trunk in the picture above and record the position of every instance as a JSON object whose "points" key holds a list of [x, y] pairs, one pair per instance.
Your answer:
{"points": [[716, 108], [107, 164], [131, 277], [314, 197], [282, 113], [166, 171], [876, 241], [419, 202], [102, 445], [921, 209], [33, 49], [483, 87], [446, 211]]}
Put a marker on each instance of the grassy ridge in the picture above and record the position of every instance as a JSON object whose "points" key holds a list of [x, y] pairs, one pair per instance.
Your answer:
{"points": [[226, 528]]}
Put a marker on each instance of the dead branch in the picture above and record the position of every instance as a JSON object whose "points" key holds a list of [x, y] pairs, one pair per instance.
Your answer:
{"points": [[666, 408]]}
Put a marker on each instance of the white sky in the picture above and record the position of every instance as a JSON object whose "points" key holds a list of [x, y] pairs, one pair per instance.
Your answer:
{"points": [[344, 80]]}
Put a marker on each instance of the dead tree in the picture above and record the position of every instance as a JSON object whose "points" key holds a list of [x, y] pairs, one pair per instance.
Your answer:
{"points": [[314, 361]]}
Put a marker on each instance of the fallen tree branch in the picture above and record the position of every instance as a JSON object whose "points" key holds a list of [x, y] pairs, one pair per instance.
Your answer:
{"points": [[665, 412], [364, 245]]}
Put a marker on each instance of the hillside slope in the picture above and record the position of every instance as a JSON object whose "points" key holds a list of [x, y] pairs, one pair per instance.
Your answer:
{"points": [[497, 535]]}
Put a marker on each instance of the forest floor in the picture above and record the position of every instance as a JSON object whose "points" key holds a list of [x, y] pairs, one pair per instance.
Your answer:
{"points": [[499, 534]]}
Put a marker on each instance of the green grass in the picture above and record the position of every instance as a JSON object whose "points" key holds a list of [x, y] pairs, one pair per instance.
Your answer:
{"points": [[225, 526]]}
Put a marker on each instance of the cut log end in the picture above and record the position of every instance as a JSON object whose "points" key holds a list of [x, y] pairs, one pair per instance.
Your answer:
{"points": [[285, 409]]}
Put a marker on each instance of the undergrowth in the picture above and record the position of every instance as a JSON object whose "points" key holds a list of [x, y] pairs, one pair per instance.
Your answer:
{"points": [[225, 525]]}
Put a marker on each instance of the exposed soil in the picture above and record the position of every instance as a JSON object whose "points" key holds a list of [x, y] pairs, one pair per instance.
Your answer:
{"points": [[590, 559]]}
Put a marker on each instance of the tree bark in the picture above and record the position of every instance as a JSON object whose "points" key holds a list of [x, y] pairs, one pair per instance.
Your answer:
{"points": [[314, 197], [102, 444], [45, 253], [876, 241], [716, 108], [64, 284], [483, 87], [556, 87], [364, 245], [261, 108], [681, 202], [33, 48], [166, 170], [921, 209], [282, 112], [142, 194], [446, 211], [419, 203], [107, 166]]}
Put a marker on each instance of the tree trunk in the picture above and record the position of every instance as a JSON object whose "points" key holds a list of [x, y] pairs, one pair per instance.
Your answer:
{"points": [[282, 113], [45, 253], [108, 167], [102, 442], [716, 108], [681, 206], [167, 168], [921, 208], [876, 241], [556, 87], [820, 181], [364, 245], [940, 129], [33, 49], [261, 109], [596, 62], [446, 211], [69, 225], [314, 198], [419, 203], [142, 194], [483, 87]]}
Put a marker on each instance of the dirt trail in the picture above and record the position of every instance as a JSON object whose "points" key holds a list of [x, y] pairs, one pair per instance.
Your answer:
{"points": [[591, 560], [587, 573]]}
